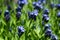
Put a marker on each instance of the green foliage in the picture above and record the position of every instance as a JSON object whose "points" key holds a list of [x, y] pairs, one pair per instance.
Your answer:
{"points": [[30, 32]]}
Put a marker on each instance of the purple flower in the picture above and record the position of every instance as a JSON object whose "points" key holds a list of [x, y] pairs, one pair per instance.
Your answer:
{"points": [[42, 1], [45, 17], [35, 12], [52, 5], [34, 3], [20, 30], [48, 33], [58, 15], [46, 11], [18, 9], [21, 3], [58, 6], [54, 37], [47, 26], [7, 17], [18, 15], [9, 7], [37, 5], [6, 13], [32, 15]]}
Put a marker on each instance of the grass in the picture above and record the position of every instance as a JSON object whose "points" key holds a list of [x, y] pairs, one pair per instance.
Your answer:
{"points": [[31, 33]]}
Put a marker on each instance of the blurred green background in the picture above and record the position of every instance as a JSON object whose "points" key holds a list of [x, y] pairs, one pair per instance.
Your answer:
{"points": [[30, 33]]}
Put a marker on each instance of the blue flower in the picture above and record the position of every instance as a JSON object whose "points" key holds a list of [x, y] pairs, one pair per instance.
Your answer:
{"points": [[21, 3], [52, 5], [58, 15], [58, 6], [47, 26], [18, 15], [6, 13], [45, 15], [42, 1], [7, 17], [18, 9], [37, 5], [20, 30], [9, 7], [35, 12], [46, 19], [32, 15], [46, 11], [54, 37], [48, 33]]}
